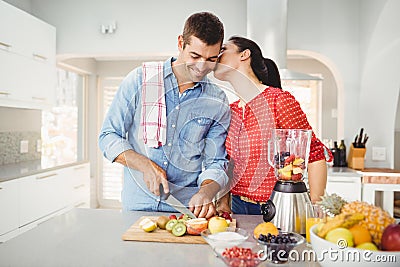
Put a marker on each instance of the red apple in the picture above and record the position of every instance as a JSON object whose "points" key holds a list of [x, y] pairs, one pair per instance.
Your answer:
{"points": [[391, 238], [195, 226]]}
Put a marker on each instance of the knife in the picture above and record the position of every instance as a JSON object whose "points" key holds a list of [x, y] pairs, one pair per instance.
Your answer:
{"points": [[176, 204], [360, 137]]}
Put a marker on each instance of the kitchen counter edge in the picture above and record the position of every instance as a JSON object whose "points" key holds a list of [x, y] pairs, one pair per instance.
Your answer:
{"points": [[16, 171]]}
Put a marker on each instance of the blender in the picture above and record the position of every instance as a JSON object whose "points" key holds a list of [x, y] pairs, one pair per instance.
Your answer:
{"points": [[288, 151]]}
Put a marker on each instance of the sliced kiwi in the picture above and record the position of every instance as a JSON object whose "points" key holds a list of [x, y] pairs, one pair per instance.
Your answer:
{"points": [[162, 221], [179, 229], [170, 224]]}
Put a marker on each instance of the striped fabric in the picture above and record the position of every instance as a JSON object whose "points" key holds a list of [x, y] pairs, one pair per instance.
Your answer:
{"points": [[154, 119]]}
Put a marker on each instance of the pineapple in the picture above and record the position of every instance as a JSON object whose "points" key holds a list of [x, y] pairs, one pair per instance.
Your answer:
{"points": [[331, 204], [375, 219]]}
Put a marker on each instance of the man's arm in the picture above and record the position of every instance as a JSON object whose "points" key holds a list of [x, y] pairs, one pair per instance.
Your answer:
{"points": [[214, 177], [112, 139], [153, 175]]}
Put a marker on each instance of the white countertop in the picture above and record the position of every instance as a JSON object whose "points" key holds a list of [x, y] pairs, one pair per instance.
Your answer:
{"points": [[18, 170], [93, 237]]}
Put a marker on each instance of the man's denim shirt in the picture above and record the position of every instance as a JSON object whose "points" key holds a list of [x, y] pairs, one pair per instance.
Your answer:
{"points": [[197, 124]]}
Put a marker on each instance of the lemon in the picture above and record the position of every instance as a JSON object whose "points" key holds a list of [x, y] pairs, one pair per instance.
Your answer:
{"points": [[367, 246], [144, 221], [149, 226]]}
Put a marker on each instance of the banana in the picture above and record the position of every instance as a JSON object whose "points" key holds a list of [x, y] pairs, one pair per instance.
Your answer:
{"points": [[352, 219], [341, 220], [335, 222]]}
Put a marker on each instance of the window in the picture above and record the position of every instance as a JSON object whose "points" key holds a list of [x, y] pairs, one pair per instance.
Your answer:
{"points": [[111, 173], [63, 125], [308, 93]]}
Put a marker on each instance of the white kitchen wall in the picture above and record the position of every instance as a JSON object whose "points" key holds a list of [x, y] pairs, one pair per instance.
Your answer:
{"points": [[358, 40], [146, 27], [379, 74]]}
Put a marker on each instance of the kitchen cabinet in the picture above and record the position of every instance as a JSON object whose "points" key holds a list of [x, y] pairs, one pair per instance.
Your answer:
{"points": [[345, 182], [40, 195], [27, 201], [9, 206], [27, 59], [78, 178], [349, 188]]}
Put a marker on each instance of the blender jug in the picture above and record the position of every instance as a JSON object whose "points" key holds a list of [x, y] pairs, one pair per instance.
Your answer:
{"points": [[288, 151]]}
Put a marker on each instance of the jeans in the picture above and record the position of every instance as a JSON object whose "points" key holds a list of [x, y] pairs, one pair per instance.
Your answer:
{"points": [[242, 207]]}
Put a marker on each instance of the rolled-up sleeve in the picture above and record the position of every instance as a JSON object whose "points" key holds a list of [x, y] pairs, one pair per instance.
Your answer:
{"points": [[118, 120], [216, 162]]}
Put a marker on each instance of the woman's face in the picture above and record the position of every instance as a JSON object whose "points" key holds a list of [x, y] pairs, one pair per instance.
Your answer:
{"points": [[229, 61]]}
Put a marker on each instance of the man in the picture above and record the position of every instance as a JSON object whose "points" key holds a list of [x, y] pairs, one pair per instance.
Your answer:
{"points": [[185, 154]]}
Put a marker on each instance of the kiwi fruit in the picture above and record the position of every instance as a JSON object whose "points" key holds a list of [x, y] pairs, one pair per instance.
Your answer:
{"points": [[179, 229], [162, 221], [170, 224]]}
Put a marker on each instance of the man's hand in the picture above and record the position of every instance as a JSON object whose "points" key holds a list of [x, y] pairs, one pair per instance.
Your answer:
{"points": [[201, 203], [153, 175], [202, 206]]}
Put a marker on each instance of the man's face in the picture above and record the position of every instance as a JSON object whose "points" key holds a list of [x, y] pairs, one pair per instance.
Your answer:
{"points": [[198, 57]]}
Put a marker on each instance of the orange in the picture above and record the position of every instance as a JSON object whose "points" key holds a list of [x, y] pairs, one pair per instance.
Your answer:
{"points": [[265, 228], [360, 234]]}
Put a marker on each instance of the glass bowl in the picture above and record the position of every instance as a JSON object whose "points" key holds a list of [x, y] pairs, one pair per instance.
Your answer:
{"points": [[232, 236], [277, 248], [247, 254]]}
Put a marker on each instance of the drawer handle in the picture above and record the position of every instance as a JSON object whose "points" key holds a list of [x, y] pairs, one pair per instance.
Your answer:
{"points": [[39, 56], [4, 93], [5, 45], [39, 98], [79, 186], [46, 176]]}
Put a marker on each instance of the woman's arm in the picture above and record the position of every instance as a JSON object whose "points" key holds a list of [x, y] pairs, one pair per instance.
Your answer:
{"points": [[317, 176]]}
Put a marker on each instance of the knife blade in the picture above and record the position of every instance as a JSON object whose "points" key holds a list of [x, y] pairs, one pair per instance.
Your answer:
{"points": [[176, 204]]}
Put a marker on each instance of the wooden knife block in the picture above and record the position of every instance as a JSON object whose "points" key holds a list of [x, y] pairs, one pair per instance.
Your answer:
{"points": [[356, 158]]}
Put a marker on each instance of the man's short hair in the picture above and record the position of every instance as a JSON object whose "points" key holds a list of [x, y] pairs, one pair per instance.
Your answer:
{"points": [[205, 26]]}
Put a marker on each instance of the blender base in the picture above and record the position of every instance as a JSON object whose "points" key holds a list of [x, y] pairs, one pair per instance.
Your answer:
{"points": [[290, 200]]}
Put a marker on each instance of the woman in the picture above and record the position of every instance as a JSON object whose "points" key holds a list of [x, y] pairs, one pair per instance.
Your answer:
{"points": [[262, 106]]}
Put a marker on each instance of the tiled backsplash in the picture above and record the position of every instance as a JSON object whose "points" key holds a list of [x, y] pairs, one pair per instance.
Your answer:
{"points": [[10, 143]]}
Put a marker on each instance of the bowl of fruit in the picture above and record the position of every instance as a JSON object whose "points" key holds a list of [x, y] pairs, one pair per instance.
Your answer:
{"points": [[275, 243], [356, 234], [247, 254], [228, 237], [277, 247]]}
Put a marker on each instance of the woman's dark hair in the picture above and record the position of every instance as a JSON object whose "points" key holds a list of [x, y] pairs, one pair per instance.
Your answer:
{"points": [[205, 26], [264, 68]]}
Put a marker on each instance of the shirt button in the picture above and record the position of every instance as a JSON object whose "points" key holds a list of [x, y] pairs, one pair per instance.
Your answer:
{"points": [[165, 163], [169, 144], [177, 107], [173, 125]]}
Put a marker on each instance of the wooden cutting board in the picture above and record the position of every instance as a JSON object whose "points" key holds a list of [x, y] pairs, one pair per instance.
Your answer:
{"points": [[135, 233]]}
